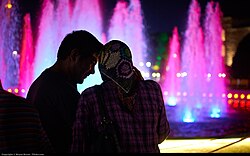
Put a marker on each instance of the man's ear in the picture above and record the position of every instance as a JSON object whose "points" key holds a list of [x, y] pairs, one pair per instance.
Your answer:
{"points": [[74, 54]]}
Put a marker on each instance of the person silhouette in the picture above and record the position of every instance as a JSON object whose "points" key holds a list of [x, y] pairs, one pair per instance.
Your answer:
{"points": [[134, 105], [21, 130], [54, 93]]}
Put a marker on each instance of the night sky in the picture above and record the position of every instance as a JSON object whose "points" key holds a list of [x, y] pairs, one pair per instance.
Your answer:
{"points": [[161, 15]]}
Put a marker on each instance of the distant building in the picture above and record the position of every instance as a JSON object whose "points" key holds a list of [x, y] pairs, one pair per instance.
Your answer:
{"points": [[235, 29]]}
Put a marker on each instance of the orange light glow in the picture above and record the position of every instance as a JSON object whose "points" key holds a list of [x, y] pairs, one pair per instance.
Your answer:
{"points": [[230, 101], [8, 5]]}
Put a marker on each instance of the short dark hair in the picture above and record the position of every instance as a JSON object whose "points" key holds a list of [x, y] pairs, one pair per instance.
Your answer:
{"points": [[82, 40]]}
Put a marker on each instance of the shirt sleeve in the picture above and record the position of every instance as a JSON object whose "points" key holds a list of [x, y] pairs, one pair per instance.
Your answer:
{"points": [[163, 125]]}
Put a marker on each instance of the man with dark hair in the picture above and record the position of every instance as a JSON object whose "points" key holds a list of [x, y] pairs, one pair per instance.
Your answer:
{"points": [[54, 93], [20, 127]]}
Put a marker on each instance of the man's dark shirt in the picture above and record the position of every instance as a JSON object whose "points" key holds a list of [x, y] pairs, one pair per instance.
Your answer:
{"points": [[56, 100]]}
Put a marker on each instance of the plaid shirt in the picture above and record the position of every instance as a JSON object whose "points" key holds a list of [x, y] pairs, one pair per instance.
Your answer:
{"points": [[20, 127], [140, 131]]}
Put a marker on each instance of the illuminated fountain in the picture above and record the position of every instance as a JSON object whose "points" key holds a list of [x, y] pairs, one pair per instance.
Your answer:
{"points": [[26, 56], [10, 28], [202, 86], [58, 20], [214, 57], [193, 66], [19, 68], [126, 24], [171, 85], [87, 15], [194, 80]]}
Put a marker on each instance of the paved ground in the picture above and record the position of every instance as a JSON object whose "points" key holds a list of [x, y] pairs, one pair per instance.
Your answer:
{"points": [[230, 134], [209, 145], [235, 124]]}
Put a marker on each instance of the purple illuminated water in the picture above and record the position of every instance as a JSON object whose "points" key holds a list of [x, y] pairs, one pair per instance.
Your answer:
{"points": [[2, 55], [126, 24], [9, 43]]}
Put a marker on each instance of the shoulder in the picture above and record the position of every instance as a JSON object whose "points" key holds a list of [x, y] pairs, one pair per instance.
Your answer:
{"points": [[42, 81], [48, 77], [90, 89], [151, 83], [88, 99], [89, 93], [7, 96], [11, 101], [47, 83], [150, 87]]}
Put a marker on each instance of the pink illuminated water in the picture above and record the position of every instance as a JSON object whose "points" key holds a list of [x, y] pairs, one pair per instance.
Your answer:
{"points": [[202, 75], [193, 65], [126, 24], [215, 60], [171, 84], [26, 56], [118, 21]]}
